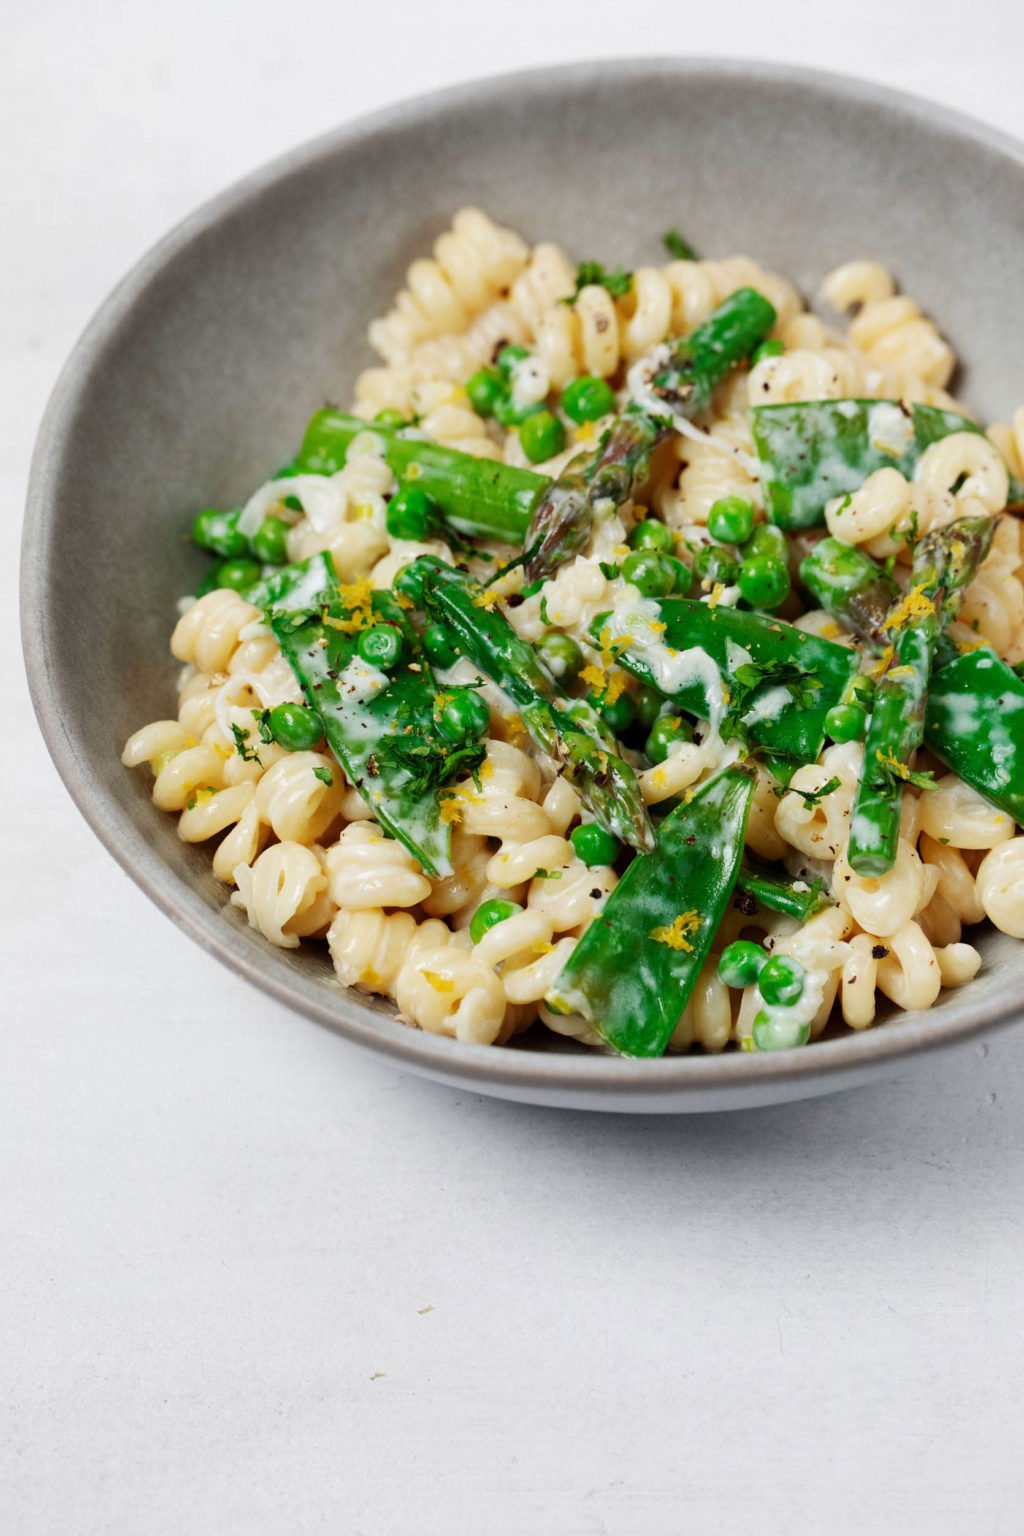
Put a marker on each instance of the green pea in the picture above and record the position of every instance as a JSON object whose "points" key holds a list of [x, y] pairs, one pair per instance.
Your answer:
{"points": [[411, 514], [846, 722], [781, 981], [542, 436], [391, 418], [488, 915], [664, 734], [561, 655], [464, 715], [270, 541], [596, 847], [509, 356], [485, 388], [775, 1034], [649, 572], [768, 540], [741, 963], [380, 645], [648, 703], [238, 574], [682, 575], [716, 564], [439, 644], [731, 520], [218, 532], [650, 534], [619, 715], [771, 348], [763, 582], [295, 727], [508, 414], [587, 399]]}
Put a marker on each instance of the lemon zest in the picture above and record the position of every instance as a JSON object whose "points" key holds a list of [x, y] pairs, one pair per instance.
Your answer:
{"points": [[915, 605], [439, 983], [676, 934]]}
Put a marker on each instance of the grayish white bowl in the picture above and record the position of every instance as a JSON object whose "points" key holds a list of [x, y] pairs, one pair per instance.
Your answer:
{"points": [[196, 377]]}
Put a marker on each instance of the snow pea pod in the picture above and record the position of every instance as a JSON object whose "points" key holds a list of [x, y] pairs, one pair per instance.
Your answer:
{"points": [[975, 723], [478, 498], [633, 970], [676, 379], [812, 451], [380, 726], [579, 742], [756, 678]]}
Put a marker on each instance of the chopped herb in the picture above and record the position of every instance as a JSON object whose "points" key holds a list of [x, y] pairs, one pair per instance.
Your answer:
{"points": [[324, 774], [676, 246], [430, 765], [751, 676], [262, 717], [591, 274], [547, 874], [608, 570], [544, 610], [246, 753], [891, 774], [809, 796]]}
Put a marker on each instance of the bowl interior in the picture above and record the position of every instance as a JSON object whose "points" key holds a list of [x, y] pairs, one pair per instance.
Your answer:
{"points": [[196, 379]]}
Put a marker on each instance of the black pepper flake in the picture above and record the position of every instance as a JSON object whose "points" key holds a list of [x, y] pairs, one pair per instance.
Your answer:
{"points": [[879, 952], [596, 895], [514, 599], [746, 903]]}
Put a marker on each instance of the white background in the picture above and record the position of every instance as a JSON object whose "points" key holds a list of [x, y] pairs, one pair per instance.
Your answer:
{"points": [[252, 1281]]}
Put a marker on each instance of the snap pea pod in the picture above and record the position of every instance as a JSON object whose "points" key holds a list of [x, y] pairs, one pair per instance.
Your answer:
{"points": [[305, 587], [944, 563], [850, 586], [780, 894], [633, 970], [975, 724], [678, 379], [812, 451], [478, 498], [579, 741], [757, 678], [381, 728]]}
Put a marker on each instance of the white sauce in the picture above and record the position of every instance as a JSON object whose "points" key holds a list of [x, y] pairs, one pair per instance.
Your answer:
{"points": [[360, 681], [890, 429]]}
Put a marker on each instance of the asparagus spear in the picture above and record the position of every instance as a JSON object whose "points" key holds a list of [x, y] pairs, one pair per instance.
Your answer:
{"points": [[633, 970], [572, 733], [754, 676], [479, 498], [380, 727], [850, 586], [975, 724], [944, 563], [812, 451], [677, 379]]}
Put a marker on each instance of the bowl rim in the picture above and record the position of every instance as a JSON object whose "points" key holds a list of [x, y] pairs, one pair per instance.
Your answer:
{"points": [[483, 1067]]}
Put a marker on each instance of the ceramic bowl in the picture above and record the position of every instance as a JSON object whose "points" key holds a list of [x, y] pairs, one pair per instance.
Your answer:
{"points": [[196, 377]]}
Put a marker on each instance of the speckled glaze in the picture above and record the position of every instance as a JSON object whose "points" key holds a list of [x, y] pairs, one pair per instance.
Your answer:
{"points": [[196, 377]]}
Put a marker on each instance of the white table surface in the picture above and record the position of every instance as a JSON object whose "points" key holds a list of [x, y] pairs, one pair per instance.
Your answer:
{"points": [[253, 1281]]}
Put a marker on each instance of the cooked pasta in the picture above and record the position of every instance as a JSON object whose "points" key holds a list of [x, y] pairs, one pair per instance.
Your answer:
{"points": [[561, 597]]}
